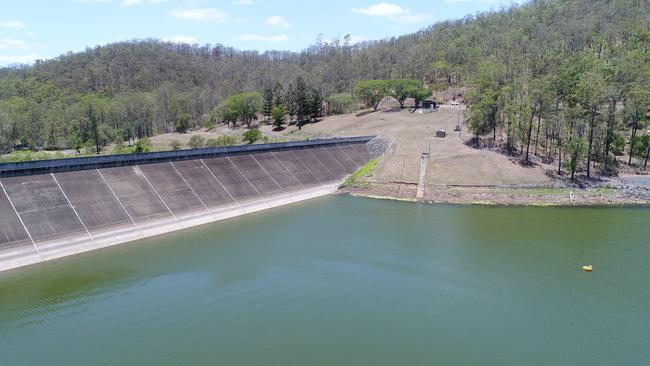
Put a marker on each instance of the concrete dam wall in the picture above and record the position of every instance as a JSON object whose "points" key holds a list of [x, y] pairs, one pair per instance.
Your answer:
{"points": [[77, 205]]}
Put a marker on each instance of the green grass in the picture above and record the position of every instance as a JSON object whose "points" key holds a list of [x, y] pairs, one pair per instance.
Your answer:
{"points": [[28, 155], [358, 178]]}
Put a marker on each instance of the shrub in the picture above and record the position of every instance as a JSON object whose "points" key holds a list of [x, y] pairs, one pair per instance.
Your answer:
{"points": [[142, 145], [252, 135], [341, 103], [209, 124], [211, 143], [175, 144], [196, 142], [221, 141], [439, 86]]}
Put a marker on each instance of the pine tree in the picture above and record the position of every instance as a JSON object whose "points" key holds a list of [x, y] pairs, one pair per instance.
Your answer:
{"points": [[315, 104], [300, 100], [278, 95], [267, 108], [290, 101]]}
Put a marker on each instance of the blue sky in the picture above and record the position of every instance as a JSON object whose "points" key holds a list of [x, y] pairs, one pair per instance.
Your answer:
{"points": [[41, 29]]}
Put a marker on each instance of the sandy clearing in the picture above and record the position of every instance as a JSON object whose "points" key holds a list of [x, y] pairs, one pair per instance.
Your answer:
{"points": [[451, 161]]}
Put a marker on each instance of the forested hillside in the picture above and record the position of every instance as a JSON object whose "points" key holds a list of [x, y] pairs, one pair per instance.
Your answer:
{"points": [[551, 65]]}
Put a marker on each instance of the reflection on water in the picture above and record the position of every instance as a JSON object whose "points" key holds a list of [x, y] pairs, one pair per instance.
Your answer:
{"points": [[347, 281], [50, 293]]}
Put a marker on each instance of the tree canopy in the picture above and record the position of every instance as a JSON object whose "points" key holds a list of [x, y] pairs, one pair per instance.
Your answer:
{"points": [[590, 59]]}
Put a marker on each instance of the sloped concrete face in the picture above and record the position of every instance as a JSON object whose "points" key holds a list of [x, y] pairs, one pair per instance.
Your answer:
{"points": [[232, 179], [46, 216], [199, 177], [280, 174], [42, 206], [255, 174], [316, 166], [12, 232], [135, 193], [172, 188], [297, 168], [96, 206]]}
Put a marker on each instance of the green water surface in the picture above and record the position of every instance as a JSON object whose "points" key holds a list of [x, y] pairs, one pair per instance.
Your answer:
{"points": [[348, 281]]}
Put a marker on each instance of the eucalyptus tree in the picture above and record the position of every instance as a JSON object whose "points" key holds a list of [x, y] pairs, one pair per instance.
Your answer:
{"points": [[484, 97], [6, 138], [400, 89], [591, 91], [372, 91]]}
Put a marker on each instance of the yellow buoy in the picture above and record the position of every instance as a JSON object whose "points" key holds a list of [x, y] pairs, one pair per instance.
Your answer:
{"points": [[588, 268]]}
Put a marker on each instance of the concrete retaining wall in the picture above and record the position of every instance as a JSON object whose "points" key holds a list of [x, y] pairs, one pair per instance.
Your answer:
{"points": [[64, 211], [105, 161]]}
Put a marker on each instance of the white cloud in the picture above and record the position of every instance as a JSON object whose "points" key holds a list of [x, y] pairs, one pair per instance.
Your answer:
{"points": [[277, 21], [203, 14], [257, 37], [24, 59], [16, 44], [244, 2], [139, 2], [472, 1], [14, 24], [413, 18], [381, 10], [392, 12], [180, 39]]}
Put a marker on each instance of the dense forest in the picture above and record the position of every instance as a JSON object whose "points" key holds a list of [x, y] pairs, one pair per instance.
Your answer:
{"points": [[567, 80]]}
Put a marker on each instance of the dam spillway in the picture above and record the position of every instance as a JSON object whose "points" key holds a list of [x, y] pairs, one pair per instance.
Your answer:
{"points": [[52, 209]]}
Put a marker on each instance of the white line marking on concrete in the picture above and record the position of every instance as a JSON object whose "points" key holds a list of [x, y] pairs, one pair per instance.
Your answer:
{"points": [[189, 186], [218, 181], [266, 171], [156, 192], [167, 226], [351, 152], [242, 174], [306, 167], [285, 167], [72, 207], [19, 218], [323, 164], [118, 201], [346, 155], [326, 151]]}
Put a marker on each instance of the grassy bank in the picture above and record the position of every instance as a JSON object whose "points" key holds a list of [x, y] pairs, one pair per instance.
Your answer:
{"points": [[358, 178]]}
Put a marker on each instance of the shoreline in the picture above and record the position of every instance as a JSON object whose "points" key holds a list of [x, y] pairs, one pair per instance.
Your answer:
{"points": [[531, 196], [70, 245]]}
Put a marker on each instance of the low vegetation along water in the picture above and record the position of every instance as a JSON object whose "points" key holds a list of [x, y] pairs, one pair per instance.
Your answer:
{"points": [[348, 281]]}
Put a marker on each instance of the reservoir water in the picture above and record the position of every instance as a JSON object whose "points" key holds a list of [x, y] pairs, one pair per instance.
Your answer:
{"points": [[348, 281]]}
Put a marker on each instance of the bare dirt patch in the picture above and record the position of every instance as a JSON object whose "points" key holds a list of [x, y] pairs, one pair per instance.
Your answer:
{"points": [[456, 172], [450, 160], [162, 142]]}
